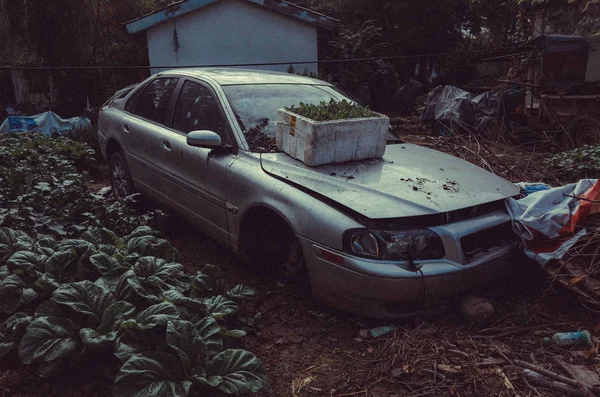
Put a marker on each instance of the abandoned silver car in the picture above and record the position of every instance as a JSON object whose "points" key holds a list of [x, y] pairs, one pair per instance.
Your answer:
{"points": [[379, 237]]}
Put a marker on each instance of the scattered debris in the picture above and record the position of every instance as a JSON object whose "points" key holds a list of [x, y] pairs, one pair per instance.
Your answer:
{"points": [[258, 140], [516, 164], [380, 331], [528, 188], [105, 191], [300, 383], [561, 228], [569, 338], [451, 369], [490, 361], [476, 310]]}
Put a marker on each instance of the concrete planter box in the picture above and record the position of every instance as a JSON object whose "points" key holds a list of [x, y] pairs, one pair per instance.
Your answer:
{"points": [[328, 142]]}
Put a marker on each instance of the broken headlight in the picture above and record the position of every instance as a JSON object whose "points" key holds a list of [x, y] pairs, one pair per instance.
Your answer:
{"points": [[403, 245]]}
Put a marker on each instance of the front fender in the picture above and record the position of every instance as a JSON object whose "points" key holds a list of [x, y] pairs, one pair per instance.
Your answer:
{"points": [[248, 187]]}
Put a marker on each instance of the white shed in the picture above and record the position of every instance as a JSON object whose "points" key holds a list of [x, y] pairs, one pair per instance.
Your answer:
{"points": [[232, 32]]}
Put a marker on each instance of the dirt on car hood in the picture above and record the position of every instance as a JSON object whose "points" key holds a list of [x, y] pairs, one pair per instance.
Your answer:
{"points": [[409, 181]]}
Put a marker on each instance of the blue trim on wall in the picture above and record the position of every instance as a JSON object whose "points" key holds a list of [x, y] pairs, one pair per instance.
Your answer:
{"points": [[165, 14], [183, 7]]}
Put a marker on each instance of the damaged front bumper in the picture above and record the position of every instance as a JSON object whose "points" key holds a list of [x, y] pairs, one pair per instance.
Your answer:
{"points": [[389, 290]]}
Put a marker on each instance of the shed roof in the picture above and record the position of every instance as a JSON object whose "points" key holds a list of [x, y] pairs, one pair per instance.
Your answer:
{"points": [[183, 7]]}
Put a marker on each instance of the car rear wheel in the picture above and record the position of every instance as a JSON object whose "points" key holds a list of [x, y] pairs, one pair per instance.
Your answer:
{"points": [[582, 130], [120, 178]]}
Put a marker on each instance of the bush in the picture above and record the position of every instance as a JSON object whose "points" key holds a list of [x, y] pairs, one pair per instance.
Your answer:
{"points": [[68, 300], [87, 135], [334, 110], [576, 164], [42, 189]]}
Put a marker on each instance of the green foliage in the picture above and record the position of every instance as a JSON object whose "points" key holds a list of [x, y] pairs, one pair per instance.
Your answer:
{"points": [[87, 135], [67, 300], [334, 110], [43, 192], [579, 163]]}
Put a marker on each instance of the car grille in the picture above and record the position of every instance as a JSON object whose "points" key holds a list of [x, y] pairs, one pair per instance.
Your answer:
{"points": [[485, 242], [443, 218]]}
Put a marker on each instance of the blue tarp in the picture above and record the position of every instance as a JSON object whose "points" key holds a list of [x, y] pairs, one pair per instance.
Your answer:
{"points": [[45, 123]]}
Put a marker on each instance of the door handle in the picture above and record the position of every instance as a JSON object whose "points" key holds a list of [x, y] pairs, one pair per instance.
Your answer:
{"points": [[166, 144], [126, 128]]}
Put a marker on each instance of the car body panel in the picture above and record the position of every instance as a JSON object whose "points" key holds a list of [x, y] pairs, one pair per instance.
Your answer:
{"points": [[409, 181]]}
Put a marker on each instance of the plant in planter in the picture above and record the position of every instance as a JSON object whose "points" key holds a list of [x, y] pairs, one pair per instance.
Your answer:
{"points": [[334, 110], [334, 132], [64, 301]]}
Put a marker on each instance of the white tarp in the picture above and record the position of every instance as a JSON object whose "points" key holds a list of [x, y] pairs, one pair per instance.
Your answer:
{"points": [[44, 123], [552, 221]]}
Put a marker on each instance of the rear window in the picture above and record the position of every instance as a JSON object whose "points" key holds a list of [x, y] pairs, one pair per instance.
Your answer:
{"points": [[153, 102]]}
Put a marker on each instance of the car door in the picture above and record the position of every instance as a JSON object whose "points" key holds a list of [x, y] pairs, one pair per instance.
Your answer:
{"points": [[197, 176], [143, 130]]}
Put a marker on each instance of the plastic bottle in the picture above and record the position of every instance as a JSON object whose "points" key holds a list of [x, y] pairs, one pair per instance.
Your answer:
{"points": [[570, 338]]}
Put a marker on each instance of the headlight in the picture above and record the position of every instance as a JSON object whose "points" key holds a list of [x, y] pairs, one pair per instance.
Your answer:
{"points": [[403, 245]]}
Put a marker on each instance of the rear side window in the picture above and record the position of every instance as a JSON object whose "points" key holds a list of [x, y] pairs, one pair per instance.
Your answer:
{"points": [[153, 102], [122, 95], [198, 109]]}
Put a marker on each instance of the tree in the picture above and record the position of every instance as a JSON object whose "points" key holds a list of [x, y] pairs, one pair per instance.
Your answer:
{"points": [[74, 33]]}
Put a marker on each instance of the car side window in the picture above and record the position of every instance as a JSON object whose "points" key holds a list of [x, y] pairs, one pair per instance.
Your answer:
{"points": [[153, 102], [198, 109]]}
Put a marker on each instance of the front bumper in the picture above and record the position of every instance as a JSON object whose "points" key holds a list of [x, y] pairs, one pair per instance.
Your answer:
{"points": [[390, 290]]}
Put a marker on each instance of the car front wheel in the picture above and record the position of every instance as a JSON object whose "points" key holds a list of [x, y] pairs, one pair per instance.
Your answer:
{"points": [[120, 179]]}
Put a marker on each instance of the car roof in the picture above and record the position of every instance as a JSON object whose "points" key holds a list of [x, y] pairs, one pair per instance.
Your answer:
{"points": [[236, 76]]}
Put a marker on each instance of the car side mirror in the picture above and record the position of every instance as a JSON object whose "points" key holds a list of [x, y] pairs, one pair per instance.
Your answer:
{"points": [[204, 139]]}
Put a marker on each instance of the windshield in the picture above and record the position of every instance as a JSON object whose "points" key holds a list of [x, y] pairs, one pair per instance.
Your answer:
{"points": [[256, 107]]}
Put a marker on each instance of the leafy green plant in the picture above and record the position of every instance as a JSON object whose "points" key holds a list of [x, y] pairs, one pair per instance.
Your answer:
{"points": [[579, 163], [43, 190], [101, 295], [334, 110], [87, 135]]}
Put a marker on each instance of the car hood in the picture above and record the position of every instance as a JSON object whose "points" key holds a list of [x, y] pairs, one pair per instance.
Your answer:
{"points": [[409, 181]]}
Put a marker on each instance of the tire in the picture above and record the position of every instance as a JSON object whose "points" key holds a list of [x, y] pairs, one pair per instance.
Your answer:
{"points": [[271, 246], [582, 130], [120, 178]]}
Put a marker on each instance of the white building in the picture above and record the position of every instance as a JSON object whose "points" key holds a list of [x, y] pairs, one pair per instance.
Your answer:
{"points": [[232, 32]]}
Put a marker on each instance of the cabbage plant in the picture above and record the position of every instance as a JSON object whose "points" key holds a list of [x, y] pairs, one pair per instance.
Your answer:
{"points": [[68, 300]]}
